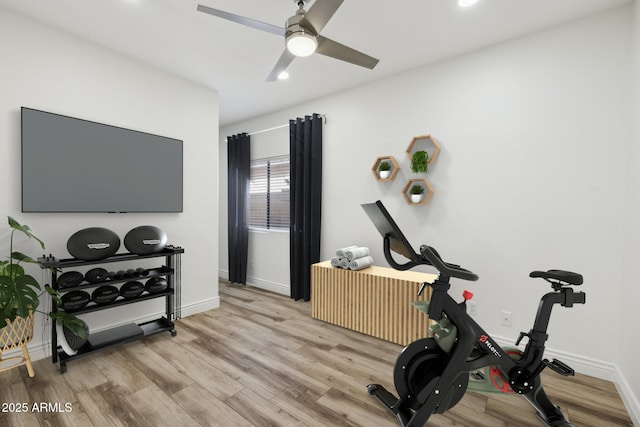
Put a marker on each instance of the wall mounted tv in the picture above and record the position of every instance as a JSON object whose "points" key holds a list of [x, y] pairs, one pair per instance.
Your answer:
{"points": [[75, 165]]}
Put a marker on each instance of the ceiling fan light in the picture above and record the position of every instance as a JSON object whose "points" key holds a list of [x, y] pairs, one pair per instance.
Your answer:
{"points": [[301, 44]]}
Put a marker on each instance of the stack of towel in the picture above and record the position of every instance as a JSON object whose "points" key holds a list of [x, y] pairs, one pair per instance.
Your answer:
{"points": [[352, 258]]}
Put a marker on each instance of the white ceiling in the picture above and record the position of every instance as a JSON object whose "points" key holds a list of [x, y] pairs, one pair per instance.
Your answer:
{"points": [[235, 60]]}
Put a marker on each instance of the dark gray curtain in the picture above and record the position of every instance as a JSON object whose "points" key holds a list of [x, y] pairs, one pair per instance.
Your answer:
{"points": [[305, 144], [238, 171]]}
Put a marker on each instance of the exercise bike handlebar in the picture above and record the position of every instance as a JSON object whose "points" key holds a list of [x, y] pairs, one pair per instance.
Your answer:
{"points": [[415, 259], [427, 256], [445, 268]]}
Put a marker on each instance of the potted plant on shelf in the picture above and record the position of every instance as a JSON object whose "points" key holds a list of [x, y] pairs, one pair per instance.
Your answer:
{"points": [[20, 297], [384, 169], [420, 162], [416, 191]]}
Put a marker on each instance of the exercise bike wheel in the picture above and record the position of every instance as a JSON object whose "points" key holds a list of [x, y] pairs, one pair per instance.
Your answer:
{"points": [[419, 363]]}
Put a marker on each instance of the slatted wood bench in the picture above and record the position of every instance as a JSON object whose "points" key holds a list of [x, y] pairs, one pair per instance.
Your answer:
{"points": [[375, 301]]}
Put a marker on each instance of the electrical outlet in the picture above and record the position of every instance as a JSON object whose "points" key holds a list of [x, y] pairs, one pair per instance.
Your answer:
{"points": [[472, 308], [506, 318]]}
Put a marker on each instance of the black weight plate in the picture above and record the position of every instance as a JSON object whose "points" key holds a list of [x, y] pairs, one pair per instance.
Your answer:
{"points": [[95, 243], [131, 289], [96, 275], [156, 284], [70, 279], [105, 294], [75, 300], [145, 239]]}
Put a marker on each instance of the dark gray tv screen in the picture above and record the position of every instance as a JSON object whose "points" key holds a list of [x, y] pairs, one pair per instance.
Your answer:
{"points": [[75, 165]]}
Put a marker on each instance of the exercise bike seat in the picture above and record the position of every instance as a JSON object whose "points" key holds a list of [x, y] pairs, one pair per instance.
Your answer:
{"points": [[565, 277]]}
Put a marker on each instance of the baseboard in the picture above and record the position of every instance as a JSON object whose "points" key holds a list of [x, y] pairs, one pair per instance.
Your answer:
{"points": [[42, 350], [200, 306], [629, 397], [277, 288], [274, 287]]}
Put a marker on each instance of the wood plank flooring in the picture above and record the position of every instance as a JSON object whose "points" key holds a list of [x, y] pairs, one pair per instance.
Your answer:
{"points": [[260, 360]]}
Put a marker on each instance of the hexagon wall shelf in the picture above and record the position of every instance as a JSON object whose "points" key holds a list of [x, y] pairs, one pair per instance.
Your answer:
{"points": [[428, 191], [395, 168], [427, 143]]}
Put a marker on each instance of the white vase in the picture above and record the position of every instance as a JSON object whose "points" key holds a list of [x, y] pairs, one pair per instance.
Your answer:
{"points": [[384, 174], [416, 198]]}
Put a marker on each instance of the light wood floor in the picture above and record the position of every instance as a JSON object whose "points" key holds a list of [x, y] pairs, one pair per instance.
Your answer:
{"points": [[260, 360]]}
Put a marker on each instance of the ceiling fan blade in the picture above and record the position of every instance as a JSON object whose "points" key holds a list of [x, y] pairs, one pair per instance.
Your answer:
{"points": [[320, 13], [339, 51], [263, 26], [285, 59]]}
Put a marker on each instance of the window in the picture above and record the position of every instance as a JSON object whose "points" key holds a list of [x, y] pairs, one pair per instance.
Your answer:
{"points": [[269, 194]]}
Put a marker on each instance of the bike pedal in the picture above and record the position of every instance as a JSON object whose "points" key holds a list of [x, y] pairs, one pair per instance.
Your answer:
{"points": [[559, 367]]}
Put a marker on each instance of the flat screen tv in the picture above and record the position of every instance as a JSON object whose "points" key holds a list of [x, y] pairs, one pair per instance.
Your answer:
{"points": [[75, 165]]}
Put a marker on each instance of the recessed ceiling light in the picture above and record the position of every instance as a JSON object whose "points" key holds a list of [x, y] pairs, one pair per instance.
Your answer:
{"points": [[467, 3], [283, 75]]}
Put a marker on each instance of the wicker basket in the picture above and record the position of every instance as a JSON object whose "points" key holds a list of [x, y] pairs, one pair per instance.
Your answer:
{"points": [[17, 334]]}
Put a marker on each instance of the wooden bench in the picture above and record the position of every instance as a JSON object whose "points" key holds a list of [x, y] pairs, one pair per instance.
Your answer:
{"points": [[375, 301]]}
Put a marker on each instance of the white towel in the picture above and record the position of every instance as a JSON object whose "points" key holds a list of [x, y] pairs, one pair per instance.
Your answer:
{"points": [[355, 253], [340, 252], [344, 263], [335, 262], [360, 263]]}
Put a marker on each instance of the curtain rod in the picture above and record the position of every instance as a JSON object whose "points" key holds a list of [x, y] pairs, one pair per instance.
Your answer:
{"points": [[269, 130], [324, 119]]}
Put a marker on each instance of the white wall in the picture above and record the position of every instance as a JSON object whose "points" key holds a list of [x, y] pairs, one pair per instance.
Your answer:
{"points": [[533, 133], [627, 345], [47, 69]]}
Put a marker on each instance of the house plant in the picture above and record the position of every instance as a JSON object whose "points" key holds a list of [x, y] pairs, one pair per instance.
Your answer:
{"points": [[20, 296], [416, 191], [420, 162], [384, 169]]}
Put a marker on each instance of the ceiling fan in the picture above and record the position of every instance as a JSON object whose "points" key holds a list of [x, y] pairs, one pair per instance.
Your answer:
{"points": [[302, 35]]}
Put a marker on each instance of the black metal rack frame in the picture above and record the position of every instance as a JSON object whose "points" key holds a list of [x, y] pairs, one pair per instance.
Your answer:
{"points": [[171, 270]]}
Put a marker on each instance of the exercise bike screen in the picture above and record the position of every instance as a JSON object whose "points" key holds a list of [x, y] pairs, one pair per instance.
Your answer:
{"points": [[387, 227]]}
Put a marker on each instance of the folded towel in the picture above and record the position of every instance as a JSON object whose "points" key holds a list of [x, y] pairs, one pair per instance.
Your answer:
{"points": [[360, 263], [344, 263], [335, 262], [355, 253], [340, 252]]}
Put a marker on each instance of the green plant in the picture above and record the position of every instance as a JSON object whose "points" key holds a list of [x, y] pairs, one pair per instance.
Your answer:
{"points": [[20, 292], [420, 162], [384, 166], [416, 189]]}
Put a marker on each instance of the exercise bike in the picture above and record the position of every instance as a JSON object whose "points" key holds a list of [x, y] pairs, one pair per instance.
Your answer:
{"points": [[432, 374]]}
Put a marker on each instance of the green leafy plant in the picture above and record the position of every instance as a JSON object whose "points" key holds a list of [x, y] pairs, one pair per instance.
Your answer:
{"points": [[416, 189], [384, 166], [420, 162], [20, 292]]}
